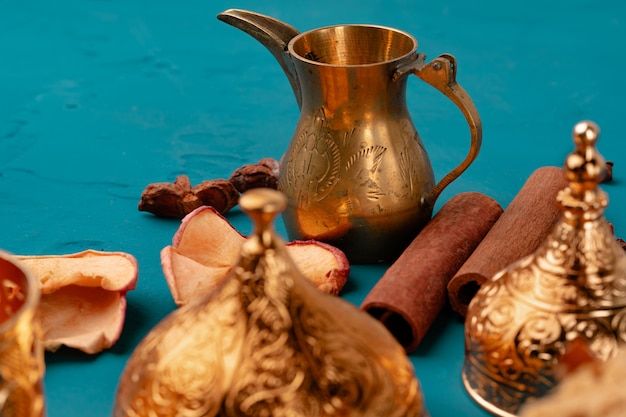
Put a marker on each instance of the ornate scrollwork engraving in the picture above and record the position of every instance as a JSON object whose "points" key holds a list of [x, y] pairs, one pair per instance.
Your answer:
{"points": [[312, 168], [267, 343], [317, 164], [519, 324]]}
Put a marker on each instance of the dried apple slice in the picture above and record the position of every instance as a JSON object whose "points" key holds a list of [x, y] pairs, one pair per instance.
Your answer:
{"points": [[325, 265], [206, 245], [83, 297], [188, 278]]}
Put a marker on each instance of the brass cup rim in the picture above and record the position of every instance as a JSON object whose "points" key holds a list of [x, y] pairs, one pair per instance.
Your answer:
{"points": [[352, 45]]}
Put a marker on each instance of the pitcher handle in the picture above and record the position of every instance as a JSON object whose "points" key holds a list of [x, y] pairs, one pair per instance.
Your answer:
{"points": [[441, 74]]}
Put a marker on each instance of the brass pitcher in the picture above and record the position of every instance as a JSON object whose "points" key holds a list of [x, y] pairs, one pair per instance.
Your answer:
{"points": [[356, 173]]}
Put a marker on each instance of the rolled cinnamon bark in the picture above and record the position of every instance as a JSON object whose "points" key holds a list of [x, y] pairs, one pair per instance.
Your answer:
{"points": [[412, 292], [518, 232]]}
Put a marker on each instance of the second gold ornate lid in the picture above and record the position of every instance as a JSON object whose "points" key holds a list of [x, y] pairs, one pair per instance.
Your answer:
{"points": [[573, 287], [266, 342]]}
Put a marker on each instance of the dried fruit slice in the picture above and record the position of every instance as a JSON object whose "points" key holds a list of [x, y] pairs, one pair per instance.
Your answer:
{"points": [[188, 278], [83, 297], [323, 264], [206, 245]]}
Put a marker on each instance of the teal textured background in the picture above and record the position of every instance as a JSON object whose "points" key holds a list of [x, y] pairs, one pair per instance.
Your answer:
{"points": [[100, 98]]}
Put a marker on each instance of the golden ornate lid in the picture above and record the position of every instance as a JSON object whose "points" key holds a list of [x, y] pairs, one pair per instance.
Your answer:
{"points": [[266, 342], [520, 322]]}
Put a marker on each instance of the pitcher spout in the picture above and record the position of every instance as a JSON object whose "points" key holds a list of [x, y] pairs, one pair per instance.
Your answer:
{"points": [[271, 33]]}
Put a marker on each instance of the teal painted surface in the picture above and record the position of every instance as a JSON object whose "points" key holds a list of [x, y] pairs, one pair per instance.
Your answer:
{"points": [[100, 98]]}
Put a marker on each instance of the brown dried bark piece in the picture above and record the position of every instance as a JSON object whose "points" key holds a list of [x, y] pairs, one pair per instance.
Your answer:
{"points": [[518, 232], [412, 292], [262, 174]]}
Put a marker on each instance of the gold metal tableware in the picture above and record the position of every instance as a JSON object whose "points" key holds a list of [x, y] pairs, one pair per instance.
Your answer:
{"points": [[21, 350], [356, 173], [573, 287], [266, 342]]}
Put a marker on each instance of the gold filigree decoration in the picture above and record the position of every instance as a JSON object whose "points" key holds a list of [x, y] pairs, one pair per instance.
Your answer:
{"points": [[572, 287], [267, 343]]}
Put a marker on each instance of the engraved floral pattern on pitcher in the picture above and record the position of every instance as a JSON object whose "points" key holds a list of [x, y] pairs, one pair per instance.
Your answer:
{"points": [[317, 166], [312, 169]]}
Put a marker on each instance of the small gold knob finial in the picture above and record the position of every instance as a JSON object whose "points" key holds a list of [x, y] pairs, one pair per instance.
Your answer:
{"points": [[585, 168]]}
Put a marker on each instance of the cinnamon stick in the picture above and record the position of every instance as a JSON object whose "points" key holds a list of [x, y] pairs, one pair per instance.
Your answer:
{"points": [[412, 292], [523, 226]]}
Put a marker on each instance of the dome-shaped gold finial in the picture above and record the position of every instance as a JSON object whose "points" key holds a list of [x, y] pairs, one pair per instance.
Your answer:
{"points": [[573, 287], [266, 342], [585, 165], [585, 168]]}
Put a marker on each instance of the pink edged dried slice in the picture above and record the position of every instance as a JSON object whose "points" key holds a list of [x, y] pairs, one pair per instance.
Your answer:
{"points": [[84, 318], [325, 265], [83, 297], [186, 278], [208, 238], [206, 245]]}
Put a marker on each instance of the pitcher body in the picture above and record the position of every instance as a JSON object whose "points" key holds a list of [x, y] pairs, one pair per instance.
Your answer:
{"points": [[355, 173]]}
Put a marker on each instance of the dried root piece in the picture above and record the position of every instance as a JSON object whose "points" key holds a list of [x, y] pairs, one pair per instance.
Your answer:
{"points": [[179, 198], [263, 174], [83, 297], [206, 246], [169, 199], [219, 194]]}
